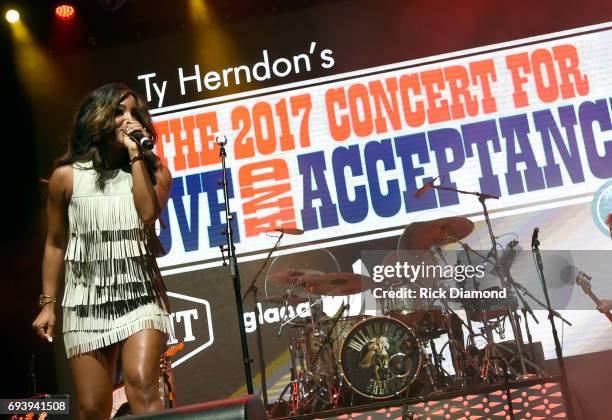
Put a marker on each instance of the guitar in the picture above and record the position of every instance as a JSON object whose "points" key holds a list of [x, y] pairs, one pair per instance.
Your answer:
{"points": [[584, 281]]}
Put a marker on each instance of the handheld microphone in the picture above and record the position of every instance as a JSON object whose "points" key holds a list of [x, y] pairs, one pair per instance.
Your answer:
{"points": [[429, 185], [144, 141], [534, 238]]}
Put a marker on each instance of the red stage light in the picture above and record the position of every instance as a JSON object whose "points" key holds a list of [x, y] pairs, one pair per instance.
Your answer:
{"points": [[64, 12]]}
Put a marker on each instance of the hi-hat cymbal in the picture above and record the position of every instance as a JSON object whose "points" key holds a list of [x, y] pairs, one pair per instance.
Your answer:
{"points": [[336, 284], [292, 275], [287, 299], [438, 232]]}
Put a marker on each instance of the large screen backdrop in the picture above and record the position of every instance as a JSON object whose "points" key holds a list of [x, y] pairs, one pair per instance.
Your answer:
{"points": [[335, 137], [342, 156]]}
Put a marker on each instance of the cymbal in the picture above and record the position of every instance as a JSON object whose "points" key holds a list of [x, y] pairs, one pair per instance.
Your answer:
{"points": [[292, 275], [287, 299], [336, 284], [438, 232]]}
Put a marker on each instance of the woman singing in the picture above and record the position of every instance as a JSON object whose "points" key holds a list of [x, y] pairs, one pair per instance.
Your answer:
{"points": [[104, 196]]}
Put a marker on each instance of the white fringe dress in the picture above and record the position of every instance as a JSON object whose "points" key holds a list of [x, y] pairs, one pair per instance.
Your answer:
{"points": [[113, 287]]}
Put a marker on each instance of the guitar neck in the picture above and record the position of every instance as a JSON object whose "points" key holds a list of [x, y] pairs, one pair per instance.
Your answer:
{"points": [[598, 302]]}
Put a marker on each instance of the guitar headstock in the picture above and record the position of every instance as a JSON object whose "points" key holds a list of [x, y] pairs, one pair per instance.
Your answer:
{"points": [[584, 281]]}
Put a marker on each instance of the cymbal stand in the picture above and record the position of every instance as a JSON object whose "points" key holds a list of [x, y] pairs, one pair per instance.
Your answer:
{"points": [[255, 291], [515, 327]]}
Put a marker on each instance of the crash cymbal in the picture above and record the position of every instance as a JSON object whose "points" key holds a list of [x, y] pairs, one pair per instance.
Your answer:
{"points": [[292, 275], [438, 232], [287, 299], [336, 284]]}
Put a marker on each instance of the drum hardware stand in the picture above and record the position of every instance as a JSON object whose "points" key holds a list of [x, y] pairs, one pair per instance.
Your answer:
{"points": [[454, 347], [253, 288], [297, 315], [327, 340], [486, 322], [407, 414], [482, 199], [535, 248], [332, 393], [506, 377], [430, 368], [295, 396], [523, 289], [471, 336], [530, 340], [233, 266]]}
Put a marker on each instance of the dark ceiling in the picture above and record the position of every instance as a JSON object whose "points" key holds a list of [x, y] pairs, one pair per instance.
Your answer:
{"points": [[103, 23]]}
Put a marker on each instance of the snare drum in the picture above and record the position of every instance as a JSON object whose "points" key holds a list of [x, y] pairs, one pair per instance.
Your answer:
{"points": [[380, 357]]}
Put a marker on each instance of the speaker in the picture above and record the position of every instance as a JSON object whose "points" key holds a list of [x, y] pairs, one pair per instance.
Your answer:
{"points": [[248, 407]]}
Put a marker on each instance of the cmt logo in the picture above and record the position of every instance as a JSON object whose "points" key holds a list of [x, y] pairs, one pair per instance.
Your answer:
{"points": [[192, 322], [602, 206]]}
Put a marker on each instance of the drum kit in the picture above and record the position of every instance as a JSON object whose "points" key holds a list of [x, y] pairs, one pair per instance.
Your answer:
{"points": [[341, 360]]}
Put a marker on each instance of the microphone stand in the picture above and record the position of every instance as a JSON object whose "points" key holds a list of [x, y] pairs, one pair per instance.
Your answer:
{"points": [[502, 275], [233, 268], [255, 291], [535, 248]]}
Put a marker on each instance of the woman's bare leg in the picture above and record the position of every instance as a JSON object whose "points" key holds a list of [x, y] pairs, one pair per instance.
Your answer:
{"points": [[93, 374], [140, 360]]}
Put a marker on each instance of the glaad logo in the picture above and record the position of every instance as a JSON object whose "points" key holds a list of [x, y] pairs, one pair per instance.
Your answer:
{"points": [[191, 324], [331, 304], [602, 206], [352, 304]]}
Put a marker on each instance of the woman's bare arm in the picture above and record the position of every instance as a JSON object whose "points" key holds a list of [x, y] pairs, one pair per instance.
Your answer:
{"points": [[60, 191]]}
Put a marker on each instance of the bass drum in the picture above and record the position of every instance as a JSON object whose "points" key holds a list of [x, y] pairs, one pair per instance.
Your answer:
{"points": [[380, 357]]}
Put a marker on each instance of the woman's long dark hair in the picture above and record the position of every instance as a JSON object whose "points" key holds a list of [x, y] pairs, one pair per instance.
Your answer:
{"points": [[93, 131]]}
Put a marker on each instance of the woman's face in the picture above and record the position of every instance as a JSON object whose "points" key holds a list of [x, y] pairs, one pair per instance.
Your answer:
{"points": [[127, 115]]}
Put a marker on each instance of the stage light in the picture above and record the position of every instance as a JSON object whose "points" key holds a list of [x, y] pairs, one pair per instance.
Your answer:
{"points": [[64, 11], [12, 16]]}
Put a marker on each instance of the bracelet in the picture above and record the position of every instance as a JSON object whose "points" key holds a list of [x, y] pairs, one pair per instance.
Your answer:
{"points": [[135, 158], [44, 299]]}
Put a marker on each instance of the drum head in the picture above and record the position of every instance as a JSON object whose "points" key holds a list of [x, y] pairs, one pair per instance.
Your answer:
{"points": [[380, 357]]}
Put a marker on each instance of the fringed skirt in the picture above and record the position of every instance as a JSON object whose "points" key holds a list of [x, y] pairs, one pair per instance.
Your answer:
{"points": [[113, 289]]}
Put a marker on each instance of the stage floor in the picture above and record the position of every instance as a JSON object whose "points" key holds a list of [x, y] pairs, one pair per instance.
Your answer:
{"points": [[538, 398]]}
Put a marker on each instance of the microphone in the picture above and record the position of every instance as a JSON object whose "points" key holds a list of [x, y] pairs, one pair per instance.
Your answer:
{"points": [[534, 238], [289, 231], [143, 140], [428, 186]]}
